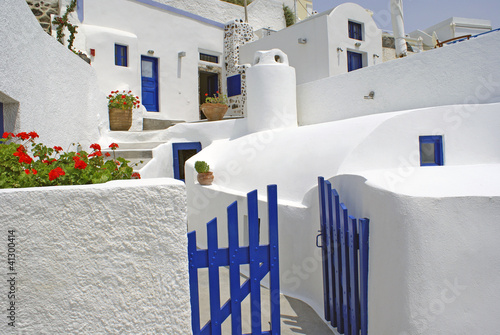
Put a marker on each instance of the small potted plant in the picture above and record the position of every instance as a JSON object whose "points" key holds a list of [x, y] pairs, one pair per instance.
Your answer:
{"points": [[205, 177], [215, 107], [120, 106]]}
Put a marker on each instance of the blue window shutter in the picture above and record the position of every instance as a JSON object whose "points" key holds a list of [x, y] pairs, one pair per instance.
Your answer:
{"points": [[121, 55], [234, 85], [431, 150], [354, 61], [79, 9]]}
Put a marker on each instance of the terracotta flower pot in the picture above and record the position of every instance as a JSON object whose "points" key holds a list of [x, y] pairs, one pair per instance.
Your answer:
{"points": [[205, 178], [120, 119], [214, 112]]}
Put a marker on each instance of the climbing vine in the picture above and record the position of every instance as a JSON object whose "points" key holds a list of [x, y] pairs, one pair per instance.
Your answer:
{"points": [[63, 22]]}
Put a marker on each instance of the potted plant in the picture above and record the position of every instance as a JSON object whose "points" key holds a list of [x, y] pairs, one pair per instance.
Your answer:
{"points": [[205, 177], [215, 107], [120, 106]]}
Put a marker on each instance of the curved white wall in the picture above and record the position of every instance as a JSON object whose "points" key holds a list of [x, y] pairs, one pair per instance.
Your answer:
{"points": [[108, 258], [464, 73], [46, 87]]}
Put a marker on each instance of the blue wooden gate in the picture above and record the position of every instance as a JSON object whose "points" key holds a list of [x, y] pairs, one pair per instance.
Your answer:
{"points": [[345, 253], [262, 259]]}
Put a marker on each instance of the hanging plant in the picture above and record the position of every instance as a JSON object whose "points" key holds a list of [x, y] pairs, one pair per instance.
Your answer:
{"points": [[63, 22]]}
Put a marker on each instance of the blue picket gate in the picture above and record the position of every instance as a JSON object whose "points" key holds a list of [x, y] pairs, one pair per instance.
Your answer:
{"points": [[263, 259], [345, 253]]}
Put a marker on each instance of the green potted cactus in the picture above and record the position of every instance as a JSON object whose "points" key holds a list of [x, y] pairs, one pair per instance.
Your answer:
{"points": [[205, 177]]}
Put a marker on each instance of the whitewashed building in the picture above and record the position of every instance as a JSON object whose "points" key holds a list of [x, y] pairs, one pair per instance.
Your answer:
{"points": [[336, 41]]}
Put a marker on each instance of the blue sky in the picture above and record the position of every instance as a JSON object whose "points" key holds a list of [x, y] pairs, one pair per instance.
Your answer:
{"points": [[421, 14]]}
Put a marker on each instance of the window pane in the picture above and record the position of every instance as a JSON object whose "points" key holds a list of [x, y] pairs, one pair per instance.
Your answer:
{"points": [[147, 69], [120, 55], [209, 58], [427, 154]]}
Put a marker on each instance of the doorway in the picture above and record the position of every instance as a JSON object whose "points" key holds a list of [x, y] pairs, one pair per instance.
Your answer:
{"points": [[149, 81], [208, 86]]}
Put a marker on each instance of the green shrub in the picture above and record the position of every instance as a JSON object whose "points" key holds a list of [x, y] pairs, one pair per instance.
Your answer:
{"points": [[201, 167]]}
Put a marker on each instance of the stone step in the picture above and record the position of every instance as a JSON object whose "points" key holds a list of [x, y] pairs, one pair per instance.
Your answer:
{"points": [[157, 124]]}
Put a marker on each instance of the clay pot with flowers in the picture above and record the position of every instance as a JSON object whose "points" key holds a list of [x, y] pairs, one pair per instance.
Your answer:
{"points": [[205, 176], [215, 107], [120, 106]]}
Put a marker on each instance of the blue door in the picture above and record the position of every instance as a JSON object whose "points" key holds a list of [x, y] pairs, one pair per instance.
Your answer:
{"points": [[1, 119], [354, 61], [149, 75]]}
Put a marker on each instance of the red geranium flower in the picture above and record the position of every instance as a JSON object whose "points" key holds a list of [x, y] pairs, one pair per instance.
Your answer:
{"points": [[7, 134], [107, 154], [23, 135], [57, 148], [56, 173], [21, 148], [123, 97], [27, 171], [136, 175], [34, 171], [95, 153], [33, 134], [95, 146], [79, 164], [113, 145]]}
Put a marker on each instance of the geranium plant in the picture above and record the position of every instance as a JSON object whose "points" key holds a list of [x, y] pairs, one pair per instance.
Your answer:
{"points": [[26, 163], [123, 100], [216, 99]]}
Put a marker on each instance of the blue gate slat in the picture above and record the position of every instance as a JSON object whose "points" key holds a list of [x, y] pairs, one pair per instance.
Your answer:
{"points": [[253, 229], [337, 262], [193, 284], [222, 259], [263, 259], [322, 220], [353, 268], [213, 278], [345, 271], [363, 269], [234, 268], [330, 253], [274, 285]]}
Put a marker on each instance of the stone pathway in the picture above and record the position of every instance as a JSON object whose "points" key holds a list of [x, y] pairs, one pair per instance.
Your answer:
{"points": [[296, 316]]}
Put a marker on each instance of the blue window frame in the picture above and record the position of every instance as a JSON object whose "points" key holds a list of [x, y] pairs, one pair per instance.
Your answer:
{"points": [[181, 153], [431, 150], [234, 85], [354, 61], [209, 58], [121, 52], [355, 31]]}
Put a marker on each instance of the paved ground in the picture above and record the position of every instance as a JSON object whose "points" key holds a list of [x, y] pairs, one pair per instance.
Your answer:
{"points": [[296, 316]]}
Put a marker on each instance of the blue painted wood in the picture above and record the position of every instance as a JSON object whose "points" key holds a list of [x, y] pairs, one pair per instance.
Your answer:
{"points": [[121, 55], [274, 285], [149, 79], [193, 284], [353, 275], [363, 272], [324, 254], [263, 259], [337, 262], [213, 277], [345, 271], [330, 253], [234, 85], [79, 10], [234, 268], [354, 61], [176, 147], [253, 229]]}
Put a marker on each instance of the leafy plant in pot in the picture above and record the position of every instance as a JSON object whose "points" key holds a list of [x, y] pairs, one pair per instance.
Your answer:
{"points": [[120, 106], [205, 177], [215, 107]]}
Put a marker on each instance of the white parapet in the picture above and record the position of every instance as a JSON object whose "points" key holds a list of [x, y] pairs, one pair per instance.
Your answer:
{"points": [[271, 86]]}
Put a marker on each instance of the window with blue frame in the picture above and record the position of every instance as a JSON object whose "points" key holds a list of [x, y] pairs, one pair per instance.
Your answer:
{"points": [[181, 153], [234, 85], [121, 57], [209, 58], [355, 30], [354, 60], [431, 150]]}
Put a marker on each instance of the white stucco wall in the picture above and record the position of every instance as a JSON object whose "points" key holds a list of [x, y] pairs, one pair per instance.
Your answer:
{"points": [[374, 162], [261, 13], [465, 73], [98, 259], [325, 32], [44, 86], [143, 27]]}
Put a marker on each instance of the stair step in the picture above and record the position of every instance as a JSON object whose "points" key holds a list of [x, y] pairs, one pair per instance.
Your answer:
{"points": [[157, 124]]}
